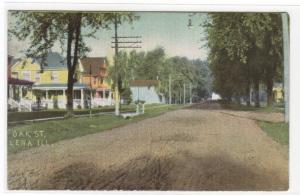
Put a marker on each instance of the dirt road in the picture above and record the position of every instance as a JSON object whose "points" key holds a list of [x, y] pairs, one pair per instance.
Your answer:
{"points": [[189, 149]]}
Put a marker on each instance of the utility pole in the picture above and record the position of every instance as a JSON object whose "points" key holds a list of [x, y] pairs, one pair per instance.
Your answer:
{"points": [[180, 101], [116, 95], [286, 62], [170, 98], [91, 93], [127, 42], [183, 93], [191, 93]]}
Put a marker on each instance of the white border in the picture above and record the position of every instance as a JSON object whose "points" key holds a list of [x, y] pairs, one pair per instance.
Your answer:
{"points": [[292, 7]]}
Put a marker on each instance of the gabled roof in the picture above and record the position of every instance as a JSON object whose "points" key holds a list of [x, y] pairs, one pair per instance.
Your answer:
{"points": [[11, 60], [143, 83], [54, 60], [93, 65]]}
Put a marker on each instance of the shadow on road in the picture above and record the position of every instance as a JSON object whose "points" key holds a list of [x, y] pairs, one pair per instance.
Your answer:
{"points": [[183, 172]]}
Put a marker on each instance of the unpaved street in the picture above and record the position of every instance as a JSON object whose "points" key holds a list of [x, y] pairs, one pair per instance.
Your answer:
{"points": [[189, 149]]}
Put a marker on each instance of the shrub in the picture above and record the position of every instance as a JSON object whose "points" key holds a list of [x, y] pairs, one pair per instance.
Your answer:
{"points": [[126, 95]]}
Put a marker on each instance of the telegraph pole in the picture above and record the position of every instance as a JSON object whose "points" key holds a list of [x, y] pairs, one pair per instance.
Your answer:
{"points": [[127, 42], [180, 101], [91, 90], [170, 98], [116, 95], [286, 62], [190, 93], [183, 93]]}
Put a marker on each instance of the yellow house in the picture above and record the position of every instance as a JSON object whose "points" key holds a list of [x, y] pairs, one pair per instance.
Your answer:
{"points": [[50, 85]]}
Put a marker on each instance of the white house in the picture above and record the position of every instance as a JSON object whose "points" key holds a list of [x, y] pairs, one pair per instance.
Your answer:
{"points": [[215, 96], [146, 90]]}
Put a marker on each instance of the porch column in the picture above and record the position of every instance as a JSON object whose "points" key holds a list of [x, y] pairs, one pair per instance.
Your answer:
{"points": [[31, 92], [20, 97], [109, 95], [110, 98], [47, 103], [81, 98], [11, 95], [21, 92], [64, 98], [104, 94]]}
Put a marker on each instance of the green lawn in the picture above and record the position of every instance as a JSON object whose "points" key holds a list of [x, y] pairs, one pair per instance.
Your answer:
{"points": [[20, 116], [278, 131], [29, 135]]}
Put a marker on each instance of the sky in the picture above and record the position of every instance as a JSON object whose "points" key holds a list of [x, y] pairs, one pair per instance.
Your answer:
{"points": [[158, 29]]}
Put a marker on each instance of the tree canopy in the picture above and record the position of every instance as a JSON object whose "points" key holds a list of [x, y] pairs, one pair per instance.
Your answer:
{"points": [[245, 51], [155, 65]]}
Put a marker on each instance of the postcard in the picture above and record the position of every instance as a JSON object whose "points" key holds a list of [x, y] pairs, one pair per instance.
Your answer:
{"points": [[147, 100]]}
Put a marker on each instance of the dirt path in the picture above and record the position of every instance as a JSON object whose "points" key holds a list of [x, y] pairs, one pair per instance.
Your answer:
{"points": [[187, 149]]}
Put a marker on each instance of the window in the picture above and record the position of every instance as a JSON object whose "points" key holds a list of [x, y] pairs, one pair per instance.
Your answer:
{"points": [[76, 94], [37, 77], [14, 75], [54, 76], [26, 75]]}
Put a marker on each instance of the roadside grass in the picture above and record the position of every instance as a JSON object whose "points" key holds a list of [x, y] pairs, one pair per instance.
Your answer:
{"points": [[34, 134], [277, 131], [20, 116], [240, 107]]}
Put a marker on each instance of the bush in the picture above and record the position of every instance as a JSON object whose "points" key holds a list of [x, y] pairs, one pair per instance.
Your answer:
{"points": [[126, 95], [139, 102]]}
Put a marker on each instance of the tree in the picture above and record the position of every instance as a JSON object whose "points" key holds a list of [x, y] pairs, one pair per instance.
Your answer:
{"points": [[154, 65], [245, 47], [124, 75]]}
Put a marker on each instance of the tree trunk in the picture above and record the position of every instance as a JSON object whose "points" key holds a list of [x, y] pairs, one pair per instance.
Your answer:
{"points": [[270, 92], [238, 99], [70, 74], [74, 29], [248, 93], [70, 95], [256, 89]]}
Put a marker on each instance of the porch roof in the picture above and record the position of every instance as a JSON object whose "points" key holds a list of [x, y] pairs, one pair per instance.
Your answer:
{"points": [[103, 89], [14, 81], [58, 86]]}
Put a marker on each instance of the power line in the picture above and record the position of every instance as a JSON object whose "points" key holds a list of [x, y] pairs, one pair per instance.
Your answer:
{"points": [[126, 47], [124, 37]]}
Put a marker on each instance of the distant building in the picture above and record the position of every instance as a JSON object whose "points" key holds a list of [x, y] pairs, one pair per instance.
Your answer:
{"points": [[215, 96], [146, 90]]}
